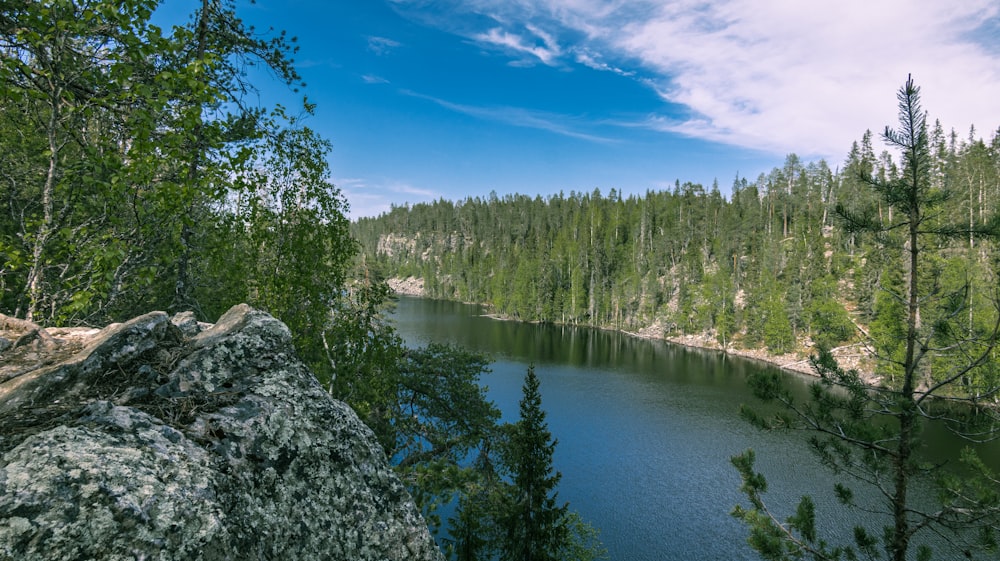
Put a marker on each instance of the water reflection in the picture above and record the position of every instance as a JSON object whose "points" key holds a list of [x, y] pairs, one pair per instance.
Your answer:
{"points": [[645, 430]]}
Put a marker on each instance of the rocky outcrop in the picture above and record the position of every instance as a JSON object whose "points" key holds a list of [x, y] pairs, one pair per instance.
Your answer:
{"points": [[162, 438], [410, 286]]}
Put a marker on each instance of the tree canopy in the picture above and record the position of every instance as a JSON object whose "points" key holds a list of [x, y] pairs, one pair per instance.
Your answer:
{"points": [[141, 171], [935, 342]]}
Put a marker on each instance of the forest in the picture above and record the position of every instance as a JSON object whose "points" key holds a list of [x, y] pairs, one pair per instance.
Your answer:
{"points": [[143, 170], [896, 257], [769, 264]]}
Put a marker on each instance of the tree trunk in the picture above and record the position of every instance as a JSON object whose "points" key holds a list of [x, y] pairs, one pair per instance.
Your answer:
{"points": [[36, 274], [182, 284], [907, 414]]}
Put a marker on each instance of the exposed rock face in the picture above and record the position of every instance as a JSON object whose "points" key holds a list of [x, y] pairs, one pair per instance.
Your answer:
{"points": [[157, 439], [410, 286]]}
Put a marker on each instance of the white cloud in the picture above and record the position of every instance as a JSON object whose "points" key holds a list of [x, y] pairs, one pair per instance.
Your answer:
{"points": [[373, 197], [779, 75], [589, 60], [382, 45], [542, 46], [407, 189], [372, 79], [518, 117], [789, 76]]}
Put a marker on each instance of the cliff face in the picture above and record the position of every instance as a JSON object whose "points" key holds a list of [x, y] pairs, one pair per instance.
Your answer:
{"points": [[164, 439]]}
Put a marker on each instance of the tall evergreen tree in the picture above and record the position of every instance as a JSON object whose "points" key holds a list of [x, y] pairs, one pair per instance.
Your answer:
{"points": [[533, 524], [872, 433], [508, 506]]}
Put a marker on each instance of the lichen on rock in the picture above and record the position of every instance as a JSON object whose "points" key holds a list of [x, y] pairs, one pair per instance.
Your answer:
{"points": [[163, 439]]}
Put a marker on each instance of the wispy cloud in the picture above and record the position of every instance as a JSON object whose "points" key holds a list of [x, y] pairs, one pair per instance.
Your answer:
{"points": [[407, 189], [540, 45], [780, 76], [317, 63], [382, 45], [371, 197], [519, 117], [372, 79], [589, 60]]}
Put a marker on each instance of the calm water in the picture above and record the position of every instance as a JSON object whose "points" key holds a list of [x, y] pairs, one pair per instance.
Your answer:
{"points": [[645, 430]]}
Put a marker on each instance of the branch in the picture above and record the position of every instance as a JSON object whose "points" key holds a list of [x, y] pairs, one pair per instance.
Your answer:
{"points": [[978, 361]]}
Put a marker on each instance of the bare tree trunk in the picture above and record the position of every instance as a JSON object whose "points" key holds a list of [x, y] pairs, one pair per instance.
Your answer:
{"points": [[36, 274], [908, 413], [182, 285]]}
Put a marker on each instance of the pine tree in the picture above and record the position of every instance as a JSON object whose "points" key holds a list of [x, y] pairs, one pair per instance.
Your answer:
{"points": [[872, 433], [473, 532], [778, 335], [533, 524]]}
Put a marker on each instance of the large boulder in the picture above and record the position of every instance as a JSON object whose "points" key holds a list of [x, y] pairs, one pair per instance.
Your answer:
{"points": [[160, 439]]}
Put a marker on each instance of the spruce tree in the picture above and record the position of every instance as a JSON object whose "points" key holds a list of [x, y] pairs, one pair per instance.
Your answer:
{"points": [[508, 509], [533, 525]]}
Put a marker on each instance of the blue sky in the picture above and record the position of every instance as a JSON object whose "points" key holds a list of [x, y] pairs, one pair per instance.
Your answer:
{"points": [[425, 99]]}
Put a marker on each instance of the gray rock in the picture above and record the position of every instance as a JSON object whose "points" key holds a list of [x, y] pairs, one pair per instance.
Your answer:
{"points": [[186, 322], [148, 444], [98, 365]]}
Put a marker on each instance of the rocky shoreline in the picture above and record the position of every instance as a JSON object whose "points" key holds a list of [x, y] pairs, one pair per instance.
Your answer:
{"points": [[848, 356]]}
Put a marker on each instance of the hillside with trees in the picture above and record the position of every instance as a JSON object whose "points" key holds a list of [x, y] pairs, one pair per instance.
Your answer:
{"points": [[939, 366], [768, 265], [142, 170]]}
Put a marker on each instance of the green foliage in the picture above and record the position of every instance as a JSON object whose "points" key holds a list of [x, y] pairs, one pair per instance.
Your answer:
{"points": [[140, 176], [443, 411], [795, 537], [830, 323], [77, 95], [425, 405], [473, 536], [510, 510], [888, 326], [292, 237], [929, 345], [583, 543], [533, 524], [364, 354], [778, 336]]}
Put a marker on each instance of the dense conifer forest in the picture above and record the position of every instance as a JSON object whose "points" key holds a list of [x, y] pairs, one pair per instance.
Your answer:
{"points": [[768, 264]]}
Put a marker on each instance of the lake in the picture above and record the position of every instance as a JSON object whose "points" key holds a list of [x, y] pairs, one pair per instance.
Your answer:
{"points": [[645, 430]]}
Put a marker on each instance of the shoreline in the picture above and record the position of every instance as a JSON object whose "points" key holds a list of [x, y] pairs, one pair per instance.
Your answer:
{"points": [[848, 356]]}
